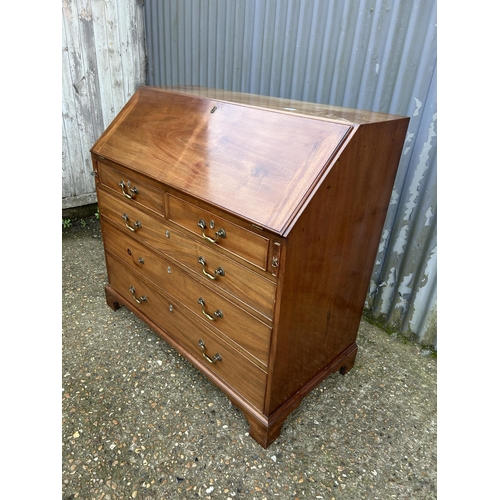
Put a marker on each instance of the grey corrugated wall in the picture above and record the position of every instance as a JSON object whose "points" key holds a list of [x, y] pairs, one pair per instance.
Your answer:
{"points": [[378, 55], [103, 63]]}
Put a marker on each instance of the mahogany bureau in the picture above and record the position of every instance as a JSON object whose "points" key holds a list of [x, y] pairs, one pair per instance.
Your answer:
{"points": [[243, 230]]}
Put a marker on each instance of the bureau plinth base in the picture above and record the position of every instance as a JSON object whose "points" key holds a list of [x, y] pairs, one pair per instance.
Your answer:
{"points": [[265, 430], [111, 298]]}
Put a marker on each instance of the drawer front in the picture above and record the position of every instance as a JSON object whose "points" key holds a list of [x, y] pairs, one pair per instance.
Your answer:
{"points": [[132, 190], [220, 271], [237, 371], [249, 246], [245, 330], [136, 255], [244, 284], [131, 219]]}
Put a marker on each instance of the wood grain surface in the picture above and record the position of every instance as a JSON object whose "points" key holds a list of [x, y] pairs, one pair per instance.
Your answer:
{"points": [[301, 192], [254, 163]]}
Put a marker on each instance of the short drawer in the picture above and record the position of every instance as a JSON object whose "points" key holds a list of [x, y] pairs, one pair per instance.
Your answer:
{"points": [[131, 189], [236, 370], [131, 218], [246, 285], [221, 233], [245, 330], [136, 255]]}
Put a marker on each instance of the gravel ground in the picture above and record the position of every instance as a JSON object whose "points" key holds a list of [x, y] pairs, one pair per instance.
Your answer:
{"points": [[138, 421]]}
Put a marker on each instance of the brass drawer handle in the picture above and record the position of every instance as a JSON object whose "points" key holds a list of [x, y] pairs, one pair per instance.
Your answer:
{"points": [[218, 272], [217, 314], [137, 224], [139, 300], [132, 190], [216, 358], [221, 233]]}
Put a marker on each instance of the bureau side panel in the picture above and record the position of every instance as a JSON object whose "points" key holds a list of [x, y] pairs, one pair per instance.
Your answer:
{"points": [[330, 253]]}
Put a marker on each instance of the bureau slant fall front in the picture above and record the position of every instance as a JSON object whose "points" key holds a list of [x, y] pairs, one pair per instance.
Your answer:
{"points": [[243, 230]]}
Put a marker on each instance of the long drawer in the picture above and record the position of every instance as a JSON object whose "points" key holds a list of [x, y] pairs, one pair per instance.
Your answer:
{"points": [[251, 288], [236, 370], [222, 272], [251, 334]]}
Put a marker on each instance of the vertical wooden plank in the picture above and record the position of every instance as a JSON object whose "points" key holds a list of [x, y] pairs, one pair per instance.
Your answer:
{"points": [[139, 43], [81, 109], [71, 140], [123, 54], [103, 61], [107, 46]]}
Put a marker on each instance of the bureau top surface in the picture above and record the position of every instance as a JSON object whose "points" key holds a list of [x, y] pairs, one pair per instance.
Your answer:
{"points": [[256, 162]]}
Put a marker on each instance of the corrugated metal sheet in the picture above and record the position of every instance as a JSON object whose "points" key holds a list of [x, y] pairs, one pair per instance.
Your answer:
{"points": [[378, 55], [103, 63]]}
